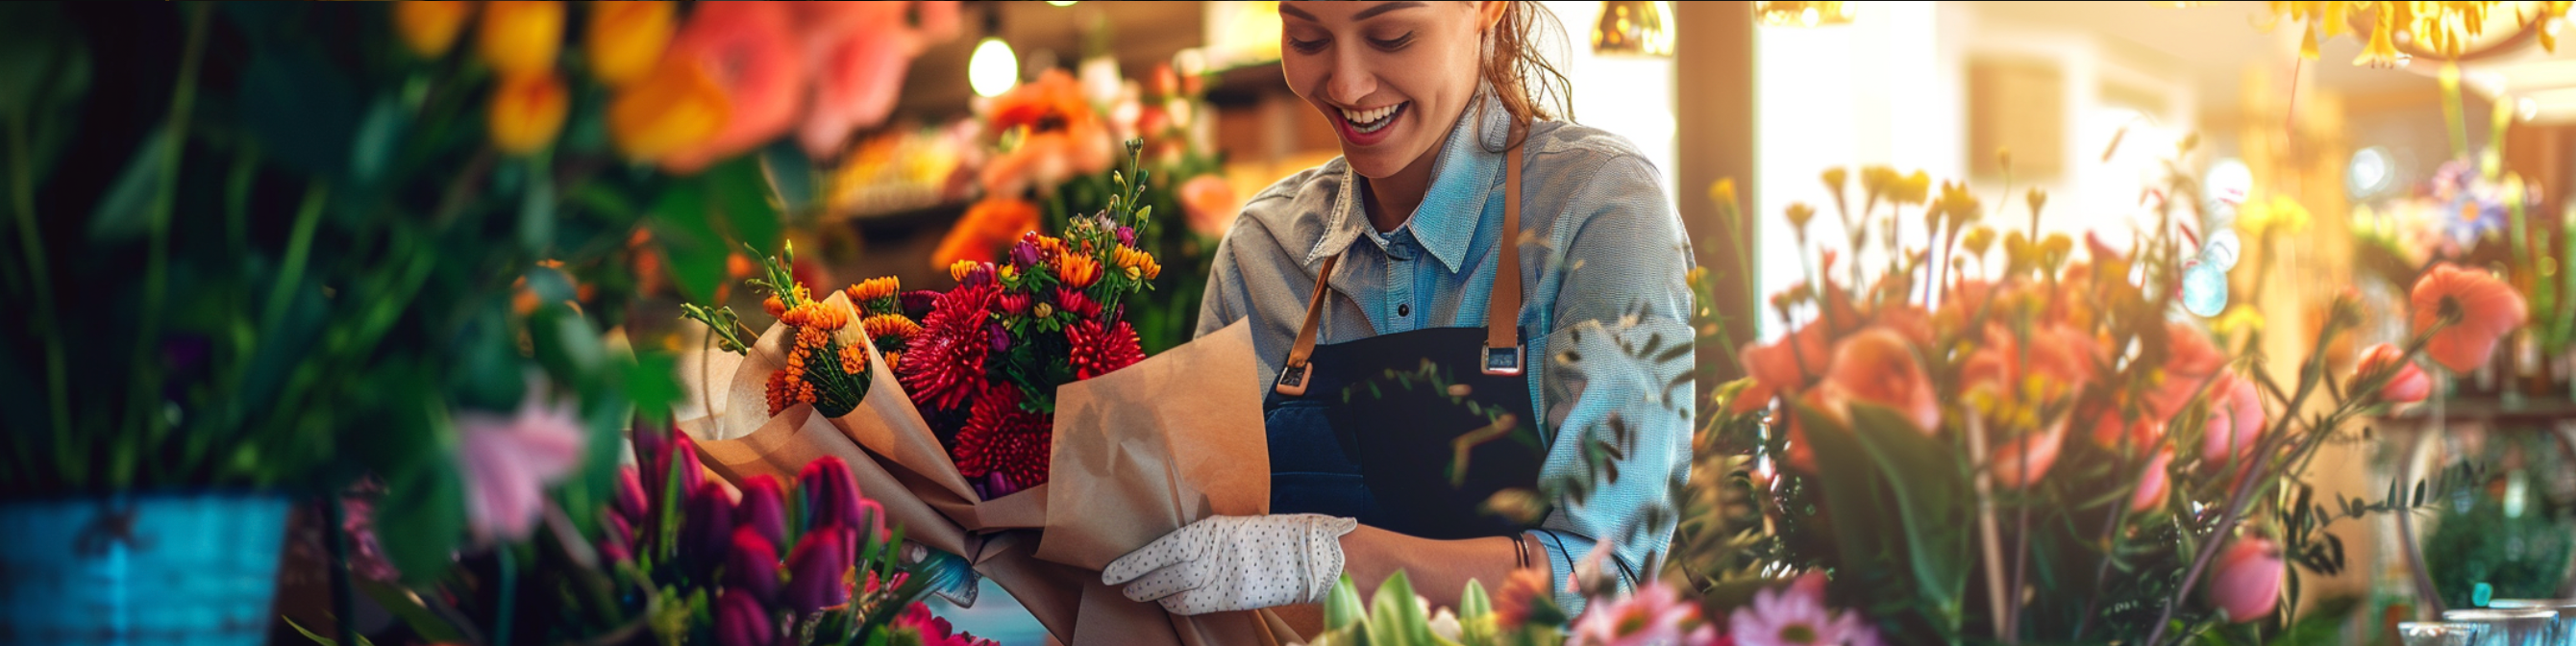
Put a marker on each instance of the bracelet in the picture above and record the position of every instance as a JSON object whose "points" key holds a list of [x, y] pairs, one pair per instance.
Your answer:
{"points": [[1520, 550]]}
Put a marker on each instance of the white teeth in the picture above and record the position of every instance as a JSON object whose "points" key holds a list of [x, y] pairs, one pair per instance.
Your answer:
{"points": [[1370, 120]]}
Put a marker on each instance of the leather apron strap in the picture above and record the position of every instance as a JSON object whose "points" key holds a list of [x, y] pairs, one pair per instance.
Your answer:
{"points": [[1502, 310]]}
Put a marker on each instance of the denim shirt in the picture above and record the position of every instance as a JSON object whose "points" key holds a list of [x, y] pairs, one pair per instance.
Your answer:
{"points": [[1603, 267]]}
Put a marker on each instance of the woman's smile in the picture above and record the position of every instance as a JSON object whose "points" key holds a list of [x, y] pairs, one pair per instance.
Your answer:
{"points": [[1372, 125]]}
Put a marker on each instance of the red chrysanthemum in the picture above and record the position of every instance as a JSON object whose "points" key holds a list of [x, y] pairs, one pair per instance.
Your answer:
{"points": [[999, 436], [1097, 350], [945, 364]]}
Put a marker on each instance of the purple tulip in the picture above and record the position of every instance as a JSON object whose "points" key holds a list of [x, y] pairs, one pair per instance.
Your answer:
{"points": [[997, 485], [763, 508], [816, 568], [1127, 236], [742, 621], [752, 566], [652, 441], [831, 494], [631, 505], [918, 303], [706, 529]]}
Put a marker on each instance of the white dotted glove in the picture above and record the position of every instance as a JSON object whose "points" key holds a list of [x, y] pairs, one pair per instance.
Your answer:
{"points": [[1236, 563]]}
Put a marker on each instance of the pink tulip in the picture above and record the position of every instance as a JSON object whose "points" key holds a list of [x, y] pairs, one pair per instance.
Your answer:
{"points": [[742, 621], [2247, 581], [2481, 308], [508, 461], [752, 565], [2191, 362], [690, 471], [2023, 460], [618, 541], [2408, 385], [631, 502], [2235, 422], [815, 569], [763, 508], [2152, 484], [652, 441]]}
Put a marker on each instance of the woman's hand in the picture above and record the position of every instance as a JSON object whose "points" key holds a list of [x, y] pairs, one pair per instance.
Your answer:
{"points": [[1236, 563]]}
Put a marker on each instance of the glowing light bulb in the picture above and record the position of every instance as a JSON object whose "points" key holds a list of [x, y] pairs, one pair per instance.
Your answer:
{"points": [[993, 69]]}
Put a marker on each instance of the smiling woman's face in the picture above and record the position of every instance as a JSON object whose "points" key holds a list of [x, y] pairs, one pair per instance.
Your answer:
{"points": [[1391, 76]]}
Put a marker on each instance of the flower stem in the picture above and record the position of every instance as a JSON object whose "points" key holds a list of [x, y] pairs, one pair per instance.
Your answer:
{"points": [[47, 324], [144, 407]]}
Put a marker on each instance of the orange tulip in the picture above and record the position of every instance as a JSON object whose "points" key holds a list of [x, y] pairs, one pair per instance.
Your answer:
{"points": [[1077, 271], [528, 112], [1877, 366], [429, 28], [625, 39], [2023, 460], [521, 38], [677, 106]]}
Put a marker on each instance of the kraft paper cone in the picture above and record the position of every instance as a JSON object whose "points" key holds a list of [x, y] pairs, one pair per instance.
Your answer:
{"points": [[1147, 449], [798, 435]]}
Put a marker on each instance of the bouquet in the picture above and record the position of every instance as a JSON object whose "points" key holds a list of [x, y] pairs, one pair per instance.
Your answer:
{"points": [[1935, 439], [826, 363], [996, 347]]}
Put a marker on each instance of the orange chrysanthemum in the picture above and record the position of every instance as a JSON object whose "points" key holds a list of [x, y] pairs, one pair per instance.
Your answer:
{"points": [[816, 315], [1077, 271], [854, 361], [2480, 309], [875, 288], [890, 327]]}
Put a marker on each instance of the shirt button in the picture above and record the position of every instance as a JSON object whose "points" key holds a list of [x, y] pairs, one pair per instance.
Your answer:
{"points": [[1403, 309]]}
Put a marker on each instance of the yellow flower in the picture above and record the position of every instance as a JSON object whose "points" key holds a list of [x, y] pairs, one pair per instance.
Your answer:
{"points": [[676, 107], [1834, 178], [625, 39], [1137, 263], [2278, 214], [1979, 239], [1010, 272], [2037, 198], [2382, 50], [2240, 317], [1799, 214], [890, 326], [957, 271], [527, 112], [1722, 191], [520, 38], [429, 28]]}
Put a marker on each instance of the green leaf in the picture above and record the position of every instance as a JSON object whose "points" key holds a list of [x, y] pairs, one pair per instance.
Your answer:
{"points": [[741, 192], [125, 210], [1932, 498], [688, 238], [791, 174], [318, 639], [652, 382], [1342, 608], [537, 209], [423, 514], [1394, 619], [379, 134], [406, 606], [303, 109], [566, 345]]}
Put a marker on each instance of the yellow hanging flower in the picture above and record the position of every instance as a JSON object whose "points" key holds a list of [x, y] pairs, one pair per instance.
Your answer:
{"points": [[676, 107], [1137, 264], [520, 38], [429, 28], [2382, 50], [527, 112], [625, 39]]}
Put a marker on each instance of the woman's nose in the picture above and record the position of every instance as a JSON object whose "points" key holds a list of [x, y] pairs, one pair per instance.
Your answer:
{"points": [[1351, 79]]}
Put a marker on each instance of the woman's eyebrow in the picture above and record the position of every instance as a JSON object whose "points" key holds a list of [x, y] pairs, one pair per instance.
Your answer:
{"points": [[1364, 14]]}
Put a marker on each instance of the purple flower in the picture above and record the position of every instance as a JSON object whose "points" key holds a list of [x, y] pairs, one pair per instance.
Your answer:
{"points": [[979, 276], [997, 485], [684, 451], [1127, 236], [1025, 253], [742, 621], [816, 567], [508, 461], [1797, 616], [1001, 337], [763, 508], [918, 303], [752, 566], [618, 544], [706, 529], [652, 441], [831, 493]]}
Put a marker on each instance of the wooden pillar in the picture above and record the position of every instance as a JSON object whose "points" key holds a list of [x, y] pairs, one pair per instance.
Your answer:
{"points": [[1713, 109]]}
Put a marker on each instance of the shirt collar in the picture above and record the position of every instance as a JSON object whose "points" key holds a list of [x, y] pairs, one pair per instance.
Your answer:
{"points": [[1462, 180]]}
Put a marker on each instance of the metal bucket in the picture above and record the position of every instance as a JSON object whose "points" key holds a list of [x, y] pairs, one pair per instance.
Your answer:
{"points": [[196, 569]]}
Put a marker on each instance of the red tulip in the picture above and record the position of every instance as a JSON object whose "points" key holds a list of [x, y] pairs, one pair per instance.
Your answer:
{"points": [[2247, 583], [763, 508], [742, 621], [752, 566], [816, 568], [706, 528], [2407, 385], [618, 541]]}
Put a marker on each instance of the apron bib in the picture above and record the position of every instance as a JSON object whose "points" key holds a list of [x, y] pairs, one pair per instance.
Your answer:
{"points": [[1376, 429]]}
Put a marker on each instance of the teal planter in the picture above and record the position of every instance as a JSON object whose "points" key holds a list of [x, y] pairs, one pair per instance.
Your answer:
{"points": [[189, 569]]}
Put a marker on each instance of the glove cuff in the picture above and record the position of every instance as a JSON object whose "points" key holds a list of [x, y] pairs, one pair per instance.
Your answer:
{"points": [[1324, 554]]}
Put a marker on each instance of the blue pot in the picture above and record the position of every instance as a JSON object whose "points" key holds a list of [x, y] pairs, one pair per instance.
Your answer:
{"points": [[197, 569]]}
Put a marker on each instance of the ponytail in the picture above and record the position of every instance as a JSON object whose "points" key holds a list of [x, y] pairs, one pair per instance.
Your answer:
{"points": [[1530, 88]]}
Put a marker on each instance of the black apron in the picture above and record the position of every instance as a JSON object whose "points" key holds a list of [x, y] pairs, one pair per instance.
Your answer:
{"points": [[1375, 429]]}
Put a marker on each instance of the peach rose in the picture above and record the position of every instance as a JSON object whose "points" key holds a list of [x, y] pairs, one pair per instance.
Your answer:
{"points": [[1877, 366]]}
